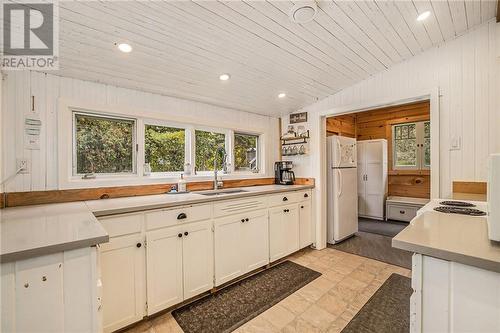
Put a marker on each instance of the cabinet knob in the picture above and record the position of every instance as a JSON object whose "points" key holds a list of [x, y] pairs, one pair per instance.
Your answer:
{"points": [[301, 206], [402, 212], [246, 220], [242, 220], [181, 216], [286, 210], [285, 199], [186, 233], [138, 244], [306, 195], [179, 235]]}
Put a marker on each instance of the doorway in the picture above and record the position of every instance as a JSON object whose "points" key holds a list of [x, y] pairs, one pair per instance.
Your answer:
{"points": [[393, 165]]}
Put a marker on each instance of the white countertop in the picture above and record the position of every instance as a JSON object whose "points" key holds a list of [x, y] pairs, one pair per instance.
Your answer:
{"points": [[43, 229], [31, 231], [452, 237], [131, 204]]}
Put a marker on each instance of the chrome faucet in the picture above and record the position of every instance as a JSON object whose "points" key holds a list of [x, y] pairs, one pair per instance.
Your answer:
{"points": [[218, 183]]}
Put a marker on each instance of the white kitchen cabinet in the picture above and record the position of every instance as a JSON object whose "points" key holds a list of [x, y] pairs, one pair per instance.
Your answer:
{"points": [[305, 220], [123, 269], [283, 231], [164, 268], [198, 262], [179, 264], [372, 178], [51, 293], [241, 244]]}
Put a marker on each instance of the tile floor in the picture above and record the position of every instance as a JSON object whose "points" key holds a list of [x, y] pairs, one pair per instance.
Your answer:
{"points": [[325, 305]]}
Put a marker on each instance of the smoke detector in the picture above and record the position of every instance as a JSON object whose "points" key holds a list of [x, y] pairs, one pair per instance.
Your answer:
{"points": [[303, 12]]}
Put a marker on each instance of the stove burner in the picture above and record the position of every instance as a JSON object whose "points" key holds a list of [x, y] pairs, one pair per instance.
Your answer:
{"points": [[460, 210], [457, 204]]}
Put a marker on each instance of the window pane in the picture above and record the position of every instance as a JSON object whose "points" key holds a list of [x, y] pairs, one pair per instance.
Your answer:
{"points": [[164, 148], [427, 129], [404, 132], [245, 152], [398, 132], [412, 131], [405, 152], [103, 145], [206, 146]]}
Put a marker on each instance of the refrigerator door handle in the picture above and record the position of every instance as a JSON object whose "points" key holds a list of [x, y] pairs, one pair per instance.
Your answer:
{"points": [[339, 192], [338, 153]]}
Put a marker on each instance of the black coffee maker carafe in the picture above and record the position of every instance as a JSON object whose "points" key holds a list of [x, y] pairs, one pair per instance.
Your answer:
{"points": [[283, 174]]}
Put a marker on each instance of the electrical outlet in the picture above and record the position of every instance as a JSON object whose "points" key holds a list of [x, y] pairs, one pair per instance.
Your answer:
{"points": [[24, 165]]}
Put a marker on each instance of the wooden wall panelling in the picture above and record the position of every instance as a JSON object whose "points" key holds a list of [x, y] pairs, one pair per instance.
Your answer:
{"points": [[470, 187], [344, 125], [410, 186], [57, 196]]}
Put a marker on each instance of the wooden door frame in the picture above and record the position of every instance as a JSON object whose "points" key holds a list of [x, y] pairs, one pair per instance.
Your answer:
{"points": [[319, 146]]}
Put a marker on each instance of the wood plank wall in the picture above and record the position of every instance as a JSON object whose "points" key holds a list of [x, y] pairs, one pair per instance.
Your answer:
{"points": [[14, 199], [377, 124]]}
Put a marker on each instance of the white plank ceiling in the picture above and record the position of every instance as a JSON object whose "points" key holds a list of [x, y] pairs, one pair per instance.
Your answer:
{"points": [[180, 48]]}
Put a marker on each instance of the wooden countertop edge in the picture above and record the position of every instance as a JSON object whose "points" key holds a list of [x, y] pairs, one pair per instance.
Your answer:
{"points": [[14, 199]]}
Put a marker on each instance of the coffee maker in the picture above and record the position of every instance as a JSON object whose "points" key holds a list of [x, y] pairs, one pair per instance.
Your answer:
{"points": [[283, 174]]}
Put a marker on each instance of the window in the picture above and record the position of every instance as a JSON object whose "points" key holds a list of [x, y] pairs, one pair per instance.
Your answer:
{"points": [[103, 145], [246, 152], [412, 146], [164, 148], [207, 144]]}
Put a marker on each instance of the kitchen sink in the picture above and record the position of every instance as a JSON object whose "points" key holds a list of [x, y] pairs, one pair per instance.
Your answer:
{"points": [[222, 192]]}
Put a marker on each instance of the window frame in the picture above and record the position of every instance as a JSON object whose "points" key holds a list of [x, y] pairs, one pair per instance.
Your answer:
{"points": [[187, 144], [227, 146], [74, 162], [258, 153], [420, 154]]}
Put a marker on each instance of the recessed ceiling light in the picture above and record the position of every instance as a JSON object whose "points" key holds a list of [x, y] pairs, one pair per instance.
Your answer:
{"points": [[124, 47], [224, 77], [303, 12], [423, 15], [281, 95]]}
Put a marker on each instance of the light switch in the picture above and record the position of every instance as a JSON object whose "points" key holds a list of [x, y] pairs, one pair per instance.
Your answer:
{"points": [[455, 143]]}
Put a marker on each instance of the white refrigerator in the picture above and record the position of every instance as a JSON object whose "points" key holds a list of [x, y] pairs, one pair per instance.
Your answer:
{"points": [[342, 198]]}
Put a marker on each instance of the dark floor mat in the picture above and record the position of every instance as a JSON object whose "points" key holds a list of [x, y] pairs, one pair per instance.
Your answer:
{"points": [[234, 305], [376, 247], [387, 311], [384, 228]]}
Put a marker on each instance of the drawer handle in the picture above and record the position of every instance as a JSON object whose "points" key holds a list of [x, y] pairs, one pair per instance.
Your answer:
{"points": [[306, 195], [286, 210], [186, 233], [285, 199], [138, 245], [181, 216], [179, 235], [242, 220], [401, 212], [246, 220]]}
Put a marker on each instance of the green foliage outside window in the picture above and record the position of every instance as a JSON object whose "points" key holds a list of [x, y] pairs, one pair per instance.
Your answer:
{"points": [[206, 146], [405, 145], [164, 148], [104, 145], [245, 152], [427, 144]]}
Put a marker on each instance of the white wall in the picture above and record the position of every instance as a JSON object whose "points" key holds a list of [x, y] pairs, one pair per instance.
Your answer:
{"points": [[466, 71], [50, 89]]}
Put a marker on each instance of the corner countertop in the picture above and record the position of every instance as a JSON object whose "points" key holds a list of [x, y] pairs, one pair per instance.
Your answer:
{"points": [[44, 229], [452, 237], [31, 231], [147, 202]]}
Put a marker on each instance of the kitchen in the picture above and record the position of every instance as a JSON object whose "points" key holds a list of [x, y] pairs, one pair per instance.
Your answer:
{"points": [[229, 102]]}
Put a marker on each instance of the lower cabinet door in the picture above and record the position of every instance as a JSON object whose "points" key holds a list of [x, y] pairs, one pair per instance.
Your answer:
{"points": [[123, 279], [291, 226], [164, 268], [277, 237], [228, 251], [255, 241], [305, 232], [198, 259]]}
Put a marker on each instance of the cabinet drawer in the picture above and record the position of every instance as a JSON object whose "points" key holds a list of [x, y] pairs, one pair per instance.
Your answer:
{"points": [[285, 198], [305, 195], [401, 212], [237, 206], [123, 224], [173, 216]]}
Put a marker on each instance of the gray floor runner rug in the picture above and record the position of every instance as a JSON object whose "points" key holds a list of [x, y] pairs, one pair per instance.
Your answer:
{"points": [[387, 311], [385, 228], [234, 305]]}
